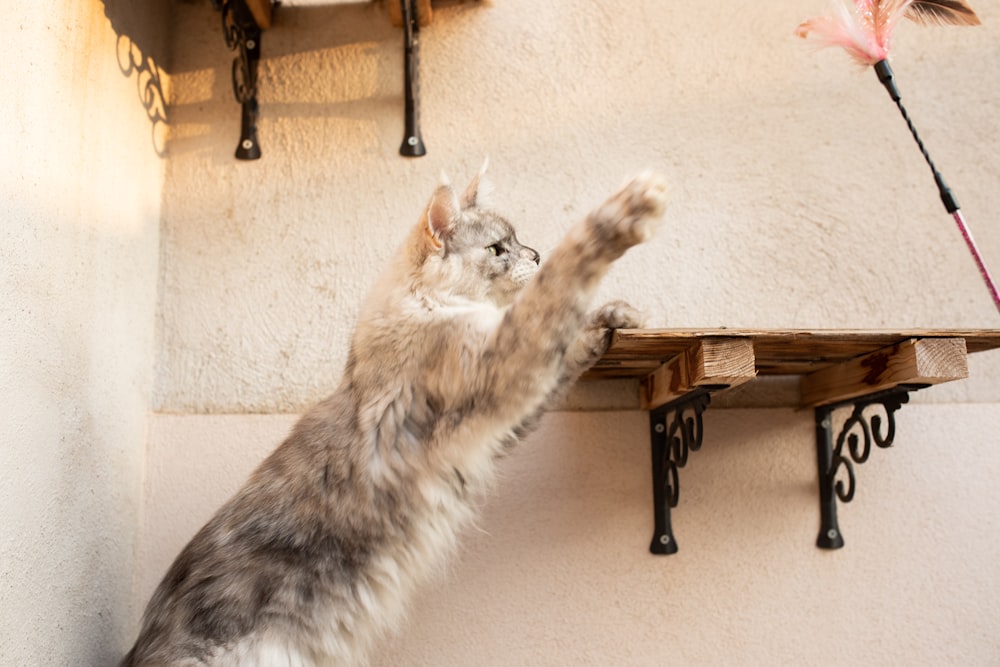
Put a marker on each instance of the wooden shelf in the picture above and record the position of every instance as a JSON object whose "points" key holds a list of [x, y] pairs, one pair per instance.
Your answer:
{"points": [[829, 361], [638, 352], [261, 10], [870, 372], [425, 13]]}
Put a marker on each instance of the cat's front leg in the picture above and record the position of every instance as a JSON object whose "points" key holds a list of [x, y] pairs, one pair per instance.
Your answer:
{"points": [[595, 337], [591, 344], [526, 360]]}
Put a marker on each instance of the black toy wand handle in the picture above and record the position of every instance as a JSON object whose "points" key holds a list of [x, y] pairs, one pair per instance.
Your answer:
{"points": [[884, 73], [413, 145]]}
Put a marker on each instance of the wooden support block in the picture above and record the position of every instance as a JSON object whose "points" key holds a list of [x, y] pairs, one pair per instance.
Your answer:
{"points": [[709, 361], [424, 13], [913, 361], [261, 10]]}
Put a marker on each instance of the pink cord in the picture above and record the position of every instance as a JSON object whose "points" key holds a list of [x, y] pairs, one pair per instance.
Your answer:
{"points": [[967, 235]]}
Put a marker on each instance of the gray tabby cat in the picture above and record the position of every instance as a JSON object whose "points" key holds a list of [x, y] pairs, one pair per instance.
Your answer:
{"points": [[460, 347]]}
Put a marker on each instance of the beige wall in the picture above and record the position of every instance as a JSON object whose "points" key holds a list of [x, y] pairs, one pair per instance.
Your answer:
{"points": [[559, 573], [79, 229], [800, 198], [799, 201]]}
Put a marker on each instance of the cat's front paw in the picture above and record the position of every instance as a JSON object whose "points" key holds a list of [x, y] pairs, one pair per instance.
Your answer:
{"points": [[616, 315], [602, 322], [595, 338], [631, 215]]}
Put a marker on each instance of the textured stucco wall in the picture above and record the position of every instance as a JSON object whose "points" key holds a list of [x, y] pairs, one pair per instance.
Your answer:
{"points": [[558, 572], [800, 200], [79, 223]]}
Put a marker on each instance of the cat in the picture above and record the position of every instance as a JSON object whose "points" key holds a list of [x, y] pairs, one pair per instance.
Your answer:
{"points": [[459, 348]]}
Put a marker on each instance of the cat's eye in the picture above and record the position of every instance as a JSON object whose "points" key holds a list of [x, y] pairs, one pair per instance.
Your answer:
{"points": [[496, 249]]}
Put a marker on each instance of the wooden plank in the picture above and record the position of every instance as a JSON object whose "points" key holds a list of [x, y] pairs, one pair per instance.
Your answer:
{"points": [[261, 10], [709, 361], [777, 352], [424, 12], [913, 361], [642, 342]]}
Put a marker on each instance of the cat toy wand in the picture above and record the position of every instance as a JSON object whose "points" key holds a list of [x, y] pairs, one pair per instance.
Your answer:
{"points": [[864, 31]]}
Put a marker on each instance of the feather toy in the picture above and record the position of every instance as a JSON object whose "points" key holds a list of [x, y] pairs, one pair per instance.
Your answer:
{"points": [[864, 29]]}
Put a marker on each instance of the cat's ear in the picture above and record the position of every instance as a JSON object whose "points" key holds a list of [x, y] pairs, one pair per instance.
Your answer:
{"points": [[479, 190], [441, 215]]}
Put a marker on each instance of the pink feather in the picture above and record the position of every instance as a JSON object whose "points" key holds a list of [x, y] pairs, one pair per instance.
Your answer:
{"points": [[862, 28]]}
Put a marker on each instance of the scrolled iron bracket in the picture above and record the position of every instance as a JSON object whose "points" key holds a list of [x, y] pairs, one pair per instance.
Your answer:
{"points": [[836, 455], [243, 36], [413, 143], [675, 430]]}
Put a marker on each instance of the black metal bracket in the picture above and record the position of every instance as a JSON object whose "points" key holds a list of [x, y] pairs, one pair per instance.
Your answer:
{"points": [[675, 430], [862, 429], [413, 144], [243, 35]]}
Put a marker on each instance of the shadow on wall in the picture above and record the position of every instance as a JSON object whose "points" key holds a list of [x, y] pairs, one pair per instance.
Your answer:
{"points": [[142, 27], [305, 56]]}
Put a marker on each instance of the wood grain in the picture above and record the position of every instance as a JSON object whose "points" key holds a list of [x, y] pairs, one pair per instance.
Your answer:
{"points": [[638, 352], [913, 361], [424, 12], [261, 10], [710, 361]]}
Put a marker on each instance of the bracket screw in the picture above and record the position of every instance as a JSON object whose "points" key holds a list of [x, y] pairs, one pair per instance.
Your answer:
{"points": [[660, 428], [832, 533], [247, 144], [251, 44], [412, 141], [664, 539]]}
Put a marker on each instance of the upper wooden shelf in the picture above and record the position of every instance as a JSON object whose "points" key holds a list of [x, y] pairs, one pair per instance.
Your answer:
{"points": [[262, 11], [835, 365]]}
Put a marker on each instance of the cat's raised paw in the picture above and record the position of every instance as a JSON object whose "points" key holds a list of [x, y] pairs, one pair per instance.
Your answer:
{"points": [[648, 193], [634, 212]]}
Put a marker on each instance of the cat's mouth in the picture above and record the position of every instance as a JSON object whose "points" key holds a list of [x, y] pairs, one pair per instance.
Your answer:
{"points": [[523, 271]]}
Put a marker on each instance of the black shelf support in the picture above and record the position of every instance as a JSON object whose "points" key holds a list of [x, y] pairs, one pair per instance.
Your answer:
{"points": [[243, 36], [413, 144], [862, 429], [675, 430]]}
